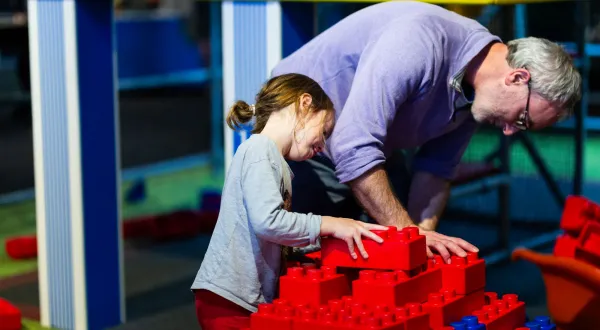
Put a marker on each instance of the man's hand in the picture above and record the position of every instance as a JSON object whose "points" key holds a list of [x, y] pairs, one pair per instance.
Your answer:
{"points": [[446, 245], [428, 196]]}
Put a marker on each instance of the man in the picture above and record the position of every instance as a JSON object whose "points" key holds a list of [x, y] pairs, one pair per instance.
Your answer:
{"points": [[410, 75]]}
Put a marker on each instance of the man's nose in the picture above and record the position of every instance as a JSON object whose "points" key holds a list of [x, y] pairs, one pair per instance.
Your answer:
{"points": [[509, 130]]}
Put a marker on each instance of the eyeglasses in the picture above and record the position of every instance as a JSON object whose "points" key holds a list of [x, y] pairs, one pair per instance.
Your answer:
{"points": [[523, 122]]}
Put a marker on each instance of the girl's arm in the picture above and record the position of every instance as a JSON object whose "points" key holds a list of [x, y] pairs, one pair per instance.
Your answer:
{"points": [[264, 204], [270, 221]]}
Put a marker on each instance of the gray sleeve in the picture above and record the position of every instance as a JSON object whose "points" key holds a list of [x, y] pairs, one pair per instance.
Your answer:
{"points": [[264, 204]]}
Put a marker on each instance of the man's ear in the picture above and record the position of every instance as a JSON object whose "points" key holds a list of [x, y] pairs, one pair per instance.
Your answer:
{"points": [[517, 77]]}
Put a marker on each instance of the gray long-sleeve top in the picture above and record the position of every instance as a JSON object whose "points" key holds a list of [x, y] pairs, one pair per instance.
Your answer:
{"points": [[243, 260]]}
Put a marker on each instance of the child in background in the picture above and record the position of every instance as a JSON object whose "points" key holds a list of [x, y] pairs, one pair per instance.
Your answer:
{"points": [[245, 256]]}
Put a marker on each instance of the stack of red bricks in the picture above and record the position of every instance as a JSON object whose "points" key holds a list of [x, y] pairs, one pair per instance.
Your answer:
{"points": [[397, 287], [10, 316], [581, 224]]}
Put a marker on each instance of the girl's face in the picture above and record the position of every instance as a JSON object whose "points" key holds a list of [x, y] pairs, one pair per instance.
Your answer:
{"points": [[309, 138]]}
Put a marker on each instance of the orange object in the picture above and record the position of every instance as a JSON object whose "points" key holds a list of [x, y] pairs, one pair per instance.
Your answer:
{"points": [[572, 289]]}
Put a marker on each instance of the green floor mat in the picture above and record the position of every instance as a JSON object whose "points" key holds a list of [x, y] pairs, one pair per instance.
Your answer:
{"points": [[165, 193], [17, 219], [33, 325], [557, 150], [178, 190]]}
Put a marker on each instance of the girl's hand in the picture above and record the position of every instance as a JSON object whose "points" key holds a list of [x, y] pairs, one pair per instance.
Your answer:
{"points": [[350, 231]]}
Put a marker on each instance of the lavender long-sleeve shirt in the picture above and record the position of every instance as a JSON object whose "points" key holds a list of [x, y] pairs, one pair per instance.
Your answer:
{"points": [[393, 72]]}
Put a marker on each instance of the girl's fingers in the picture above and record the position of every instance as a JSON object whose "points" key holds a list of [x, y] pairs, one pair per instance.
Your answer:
{"points": [[350, 243], [361, 247]]}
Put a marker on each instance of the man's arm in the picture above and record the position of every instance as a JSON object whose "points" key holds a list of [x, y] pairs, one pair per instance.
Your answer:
{"points": [[428, 196], [376, 196], [434, 166], [374, 193]]}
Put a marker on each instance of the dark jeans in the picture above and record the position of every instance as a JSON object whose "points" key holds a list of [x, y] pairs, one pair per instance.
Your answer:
{"points": [[316, 189]]}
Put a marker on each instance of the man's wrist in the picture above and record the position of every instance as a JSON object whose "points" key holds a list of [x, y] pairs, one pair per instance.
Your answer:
{"points": [[404, 221], [375, 195], [428, 224]]}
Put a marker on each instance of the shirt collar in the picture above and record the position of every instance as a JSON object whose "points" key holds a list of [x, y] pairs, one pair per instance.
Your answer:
{"points": [[456, 84]]}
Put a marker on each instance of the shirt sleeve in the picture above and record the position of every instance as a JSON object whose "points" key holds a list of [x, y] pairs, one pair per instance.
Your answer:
{"points": [[392, 70], [261, 184], [442, 155]]}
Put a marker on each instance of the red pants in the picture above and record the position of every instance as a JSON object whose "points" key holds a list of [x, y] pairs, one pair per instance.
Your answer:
{"points": [[217, 313]]}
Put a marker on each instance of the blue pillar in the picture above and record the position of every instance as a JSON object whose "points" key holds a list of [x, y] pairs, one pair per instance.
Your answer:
{"points": [[251, 48], [76, 158]]}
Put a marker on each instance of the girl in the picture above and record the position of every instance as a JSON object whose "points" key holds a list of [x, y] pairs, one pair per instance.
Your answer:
{"points": [[242, 265]]}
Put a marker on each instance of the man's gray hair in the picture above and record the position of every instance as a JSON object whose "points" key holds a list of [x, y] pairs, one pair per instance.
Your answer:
{"points": [[553, 74]]}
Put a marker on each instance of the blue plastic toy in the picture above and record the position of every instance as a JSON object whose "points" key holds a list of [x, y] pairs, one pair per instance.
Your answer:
{"points": [[137, 192], [541, 323], [459, 325], [473, 323]]}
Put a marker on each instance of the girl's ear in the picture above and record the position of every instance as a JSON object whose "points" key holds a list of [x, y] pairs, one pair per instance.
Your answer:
{"points": [[305, 103], [303, 110]]}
